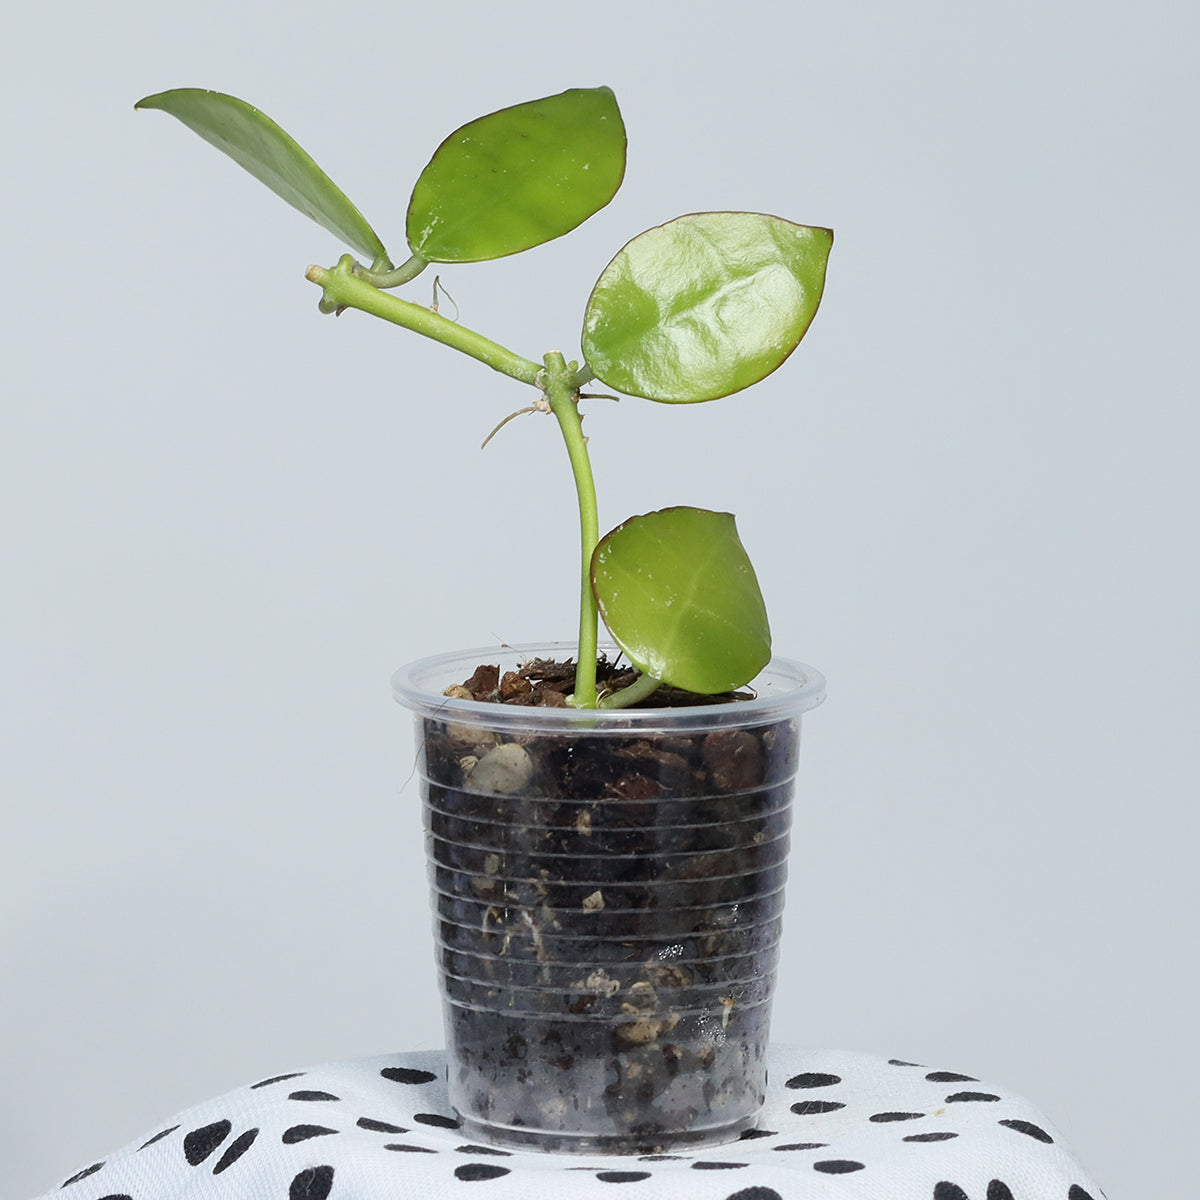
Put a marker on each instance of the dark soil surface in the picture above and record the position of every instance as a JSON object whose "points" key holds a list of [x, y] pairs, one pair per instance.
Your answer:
{"points": [[547, 682], [608, 908]]}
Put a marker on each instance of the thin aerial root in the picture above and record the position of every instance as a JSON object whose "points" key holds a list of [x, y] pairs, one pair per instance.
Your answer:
{"points": [[536, 406], [439, 287]]}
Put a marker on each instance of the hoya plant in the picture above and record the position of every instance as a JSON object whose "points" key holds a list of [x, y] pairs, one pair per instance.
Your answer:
{"points": [[688, 311]]}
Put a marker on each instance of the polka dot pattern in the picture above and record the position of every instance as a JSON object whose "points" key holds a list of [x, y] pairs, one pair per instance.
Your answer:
{"points": [[301, 1133], [894, 1129], [83, 1174], [410, 1075], [200, 1143], [476, 1172], [158, 1137], [813, 1079], [313, 1183], [262, 1083], [837, 1166], [236, 1149], [949, 1191], [437, 1120], [379, 1126], [1028, 1128]]}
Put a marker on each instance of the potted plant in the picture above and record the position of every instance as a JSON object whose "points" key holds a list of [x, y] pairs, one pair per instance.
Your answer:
{"points": [[607, 825]]}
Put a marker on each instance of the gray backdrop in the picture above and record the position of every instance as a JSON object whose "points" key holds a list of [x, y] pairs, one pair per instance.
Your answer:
{"points": [[970, 495]]}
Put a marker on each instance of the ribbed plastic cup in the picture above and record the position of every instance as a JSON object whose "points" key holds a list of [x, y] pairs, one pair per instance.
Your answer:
{"points": [[607, 890]]}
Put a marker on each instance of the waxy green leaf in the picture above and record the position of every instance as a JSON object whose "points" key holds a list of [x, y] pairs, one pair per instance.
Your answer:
{"points": [[705, 305], [518, 177], [678, 594], [255, 142]]}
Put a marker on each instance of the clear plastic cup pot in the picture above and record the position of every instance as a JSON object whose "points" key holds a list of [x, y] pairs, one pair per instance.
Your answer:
{"points": [[607, 890]]}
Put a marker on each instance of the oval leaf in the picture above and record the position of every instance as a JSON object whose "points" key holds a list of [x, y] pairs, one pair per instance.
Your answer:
{"points": [[255, 142], [678, 593], [705, 305], [518, 177]]}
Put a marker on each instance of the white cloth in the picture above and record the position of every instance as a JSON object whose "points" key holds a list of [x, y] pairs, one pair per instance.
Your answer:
{"points": [[837, 1125]]}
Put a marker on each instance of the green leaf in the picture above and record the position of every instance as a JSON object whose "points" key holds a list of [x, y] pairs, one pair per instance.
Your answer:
{"points": [[678, 594], [518, 177], [255, 142], [705, 305]]}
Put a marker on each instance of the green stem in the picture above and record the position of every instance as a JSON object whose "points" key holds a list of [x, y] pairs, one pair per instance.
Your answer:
{"points": [[346, 286], [344, 289], [644, 685], [562, 398]]}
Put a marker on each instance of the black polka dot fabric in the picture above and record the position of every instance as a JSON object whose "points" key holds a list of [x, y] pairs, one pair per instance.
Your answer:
{"points": [[836, 1126]]}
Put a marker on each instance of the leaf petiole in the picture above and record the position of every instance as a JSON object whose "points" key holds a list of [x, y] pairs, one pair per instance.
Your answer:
{"points": [[384, 275], [583, 376], [644, 685]]}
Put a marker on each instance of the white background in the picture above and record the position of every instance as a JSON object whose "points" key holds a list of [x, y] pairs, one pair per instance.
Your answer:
{"points": [[970, 495]]}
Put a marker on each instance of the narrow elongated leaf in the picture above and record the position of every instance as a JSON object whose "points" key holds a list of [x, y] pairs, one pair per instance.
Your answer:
{"points": [[678, 594], [518, 177], [255, 142], [705, 305]]}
